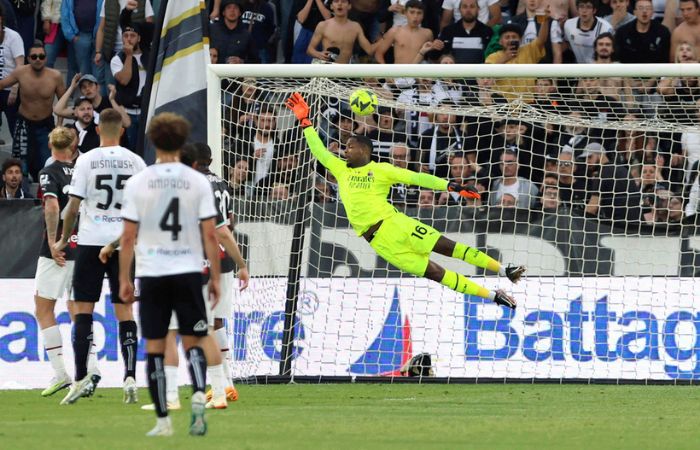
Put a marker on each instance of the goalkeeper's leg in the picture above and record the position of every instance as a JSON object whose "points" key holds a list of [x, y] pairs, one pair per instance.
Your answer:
{"points": [[464, 285], [448, 247]]}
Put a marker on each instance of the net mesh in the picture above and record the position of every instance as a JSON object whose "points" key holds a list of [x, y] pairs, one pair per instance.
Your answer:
{"points": [[589, 182]]}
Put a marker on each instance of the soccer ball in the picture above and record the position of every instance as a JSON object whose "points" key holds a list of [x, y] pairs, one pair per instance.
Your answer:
{"points": [[363, 102]]}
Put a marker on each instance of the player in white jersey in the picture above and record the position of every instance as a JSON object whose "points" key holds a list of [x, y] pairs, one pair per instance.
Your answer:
{"points": [[98, 182], [164, 208]]}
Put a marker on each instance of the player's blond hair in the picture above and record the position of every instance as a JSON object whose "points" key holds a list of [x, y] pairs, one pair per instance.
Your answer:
{"points": [[61, 138]]}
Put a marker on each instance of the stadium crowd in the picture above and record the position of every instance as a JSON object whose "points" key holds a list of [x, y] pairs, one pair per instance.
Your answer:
{"points": [[581, 166]]}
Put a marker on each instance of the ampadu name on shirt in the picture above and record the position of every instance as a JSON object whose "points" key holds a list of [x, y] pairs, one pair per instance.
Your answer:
{"points": [[169, 183]]}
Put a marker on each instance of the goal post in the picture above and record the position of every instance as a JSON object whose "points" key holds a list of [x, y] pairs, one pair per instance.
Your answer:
{"points": [[588, 175]]}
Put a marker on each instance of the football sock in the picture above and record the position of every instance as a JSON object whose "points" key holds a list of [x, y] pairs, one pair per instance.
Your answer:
{"points": [[82, 342], [171, 383], [217, 380], [129, 341], [460, 283], [53, 343], [475, 257], [92, 360], [157, 383], [222, 339], [197, 365]]}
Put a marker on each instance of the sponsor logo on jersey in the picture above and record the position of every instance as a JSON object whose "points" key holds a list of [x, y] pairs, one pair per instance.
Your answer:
{"points": [[107, 219]]}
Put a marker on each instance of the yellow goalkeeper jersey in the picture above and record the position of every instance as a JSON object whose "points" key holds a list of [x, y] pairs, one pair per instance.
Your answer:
{"points": [[364, 190]]}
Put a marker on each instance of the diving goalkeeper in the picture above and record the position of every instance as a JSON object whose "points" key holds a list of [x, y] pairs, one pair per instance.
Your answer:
{"points": [[402, 241]]}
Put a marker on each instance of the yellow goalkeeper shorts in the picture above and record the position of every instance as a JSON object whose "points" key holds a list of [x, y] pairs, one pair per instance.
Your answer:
{"points": [[405, 243]]}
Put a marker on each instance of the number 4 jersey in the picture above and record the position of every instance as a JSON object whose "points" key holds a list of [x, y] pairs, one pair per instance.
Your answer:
{"points": [[98, 179], [168, 201]]}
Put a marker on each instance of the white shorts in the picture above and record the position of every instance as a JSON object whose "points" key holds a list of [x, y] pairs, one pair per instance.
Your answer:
{"points": [[53, 282], [224, 308]]}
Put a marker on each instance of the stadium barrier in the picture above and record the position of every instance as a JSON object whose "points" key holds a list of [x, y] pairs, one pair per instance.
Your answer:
{"points": [[21, 222], [566, 329], [550, 245]]}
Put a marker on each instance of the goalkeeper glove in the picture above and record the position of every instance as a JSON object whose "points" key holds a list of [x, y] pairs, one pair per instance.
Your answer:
{"points": [[466, 191], [501, 298], [300, 109]]}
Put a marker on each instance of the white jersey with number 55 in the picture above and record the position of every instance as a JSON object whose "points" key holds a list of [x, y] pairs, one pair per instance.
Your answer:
{"points": [[168, 201], [98, 179]]}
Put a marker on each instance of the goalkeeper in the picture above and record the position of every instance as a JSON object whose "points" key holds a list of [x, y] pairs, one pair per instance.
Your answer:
{"points": [[402, 241]]}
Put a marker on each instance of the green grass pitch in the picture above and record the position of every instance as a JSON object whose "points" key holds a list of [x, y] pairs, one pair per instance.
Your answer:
{"points": [[357, 416]]}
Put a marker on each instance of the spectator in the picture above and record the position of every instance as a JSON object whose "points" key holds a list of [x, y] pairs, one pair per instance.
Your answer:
{"points": [[85, 125], [678, 92], [9, 18], [12, 181], [692, 208], [323, 192], [689, 30], [38, 86], [508, 201], [531, 26], [80, 20], [572, 189], [232, 39], [467, 38], [587, 187], [25, 14], [620, 14], [604, 49], [426, 199], [423, 93], [550, 200], [129, 69], [108, 39], [658, 208], [337, 36], [643, 40], [514, 53], [463, 170], [264, 142], [675, 209], [580, 32], [410, 42], [281, 180], [87, 84], [591, 102], [489, 12], [438, 143], [402, 195], [523, 191], [54, 40], [239, 180], [13, 57], [308, 13], [259, 17], [343, 126], [392, 14], [690, 145], [383, 136], [366, 13]]}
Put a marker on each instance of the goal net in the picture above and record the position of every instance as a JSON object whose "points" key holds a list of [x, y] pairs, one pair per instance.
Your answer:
{"points": [[588, 176]]}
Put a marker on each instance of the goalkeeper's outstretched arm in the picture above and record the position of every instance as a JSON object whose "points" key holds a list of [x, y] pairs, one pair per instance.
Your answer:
{"points": [[428, 181], [301, 110]]}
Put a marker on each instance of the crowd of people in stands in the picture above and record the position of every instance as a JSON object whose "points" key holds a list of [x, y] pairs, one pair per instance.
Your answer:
{"points": [[581, 166]]}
